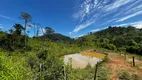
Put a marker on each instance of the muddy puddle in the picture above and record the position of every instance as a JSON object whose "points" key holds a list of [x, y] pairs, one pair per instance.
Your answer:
{"points": [[81, 60]]}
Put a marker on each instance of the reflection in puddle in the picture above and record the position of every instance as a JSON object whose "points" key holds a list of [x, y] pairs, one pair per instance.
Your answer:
{"points": [[80, 61]]}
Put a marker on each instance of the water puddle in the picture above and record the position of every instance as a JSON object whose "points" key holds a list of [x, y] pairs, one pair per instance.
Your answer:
{"points": [[82, 60]]}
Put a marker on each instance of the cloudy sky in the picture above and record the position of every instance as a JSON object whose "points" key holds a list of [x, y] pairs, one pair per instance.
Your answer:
{"points": [[72, 17]]}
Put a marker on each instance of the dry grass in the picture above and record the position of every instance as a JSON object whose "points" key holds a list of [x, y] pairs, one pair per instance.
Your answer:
{"points": [[92, 54]]}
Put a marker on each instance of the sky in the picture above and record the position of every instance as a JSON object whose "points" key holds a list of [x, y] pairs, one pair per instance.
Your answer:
{"points": [[72, 18]]}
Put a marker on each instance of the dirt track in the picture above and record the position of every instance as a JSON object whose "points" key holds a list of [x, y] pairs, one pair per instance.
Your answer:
{"points": [[118, 64]]}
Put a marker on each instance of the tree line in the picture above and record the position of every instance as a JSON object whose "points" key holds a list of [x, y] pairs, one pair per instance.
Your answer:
{"points": [[117, 38]]}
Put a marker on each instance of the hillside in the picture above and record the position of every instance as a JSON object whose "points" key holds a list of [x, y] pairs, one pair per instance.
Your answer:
{"points": [[127, 39], [57, 37], [41, 57]]}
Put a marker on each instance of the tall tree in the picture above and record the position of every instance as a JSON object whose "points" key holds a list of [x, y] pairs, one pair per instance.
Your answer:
{"points": [[27, 18]]}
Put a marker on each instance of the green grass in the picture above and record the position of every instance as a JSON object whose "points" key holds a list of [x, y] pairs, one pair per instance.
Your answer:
{"points": [[127, 76]]}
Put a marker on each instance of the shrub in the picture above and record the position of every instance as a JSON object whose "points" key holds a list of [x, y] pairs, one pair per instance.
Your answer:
{"points": [[124, 76], [108, 46], [132, 49], [135, 77], [14, 68]]}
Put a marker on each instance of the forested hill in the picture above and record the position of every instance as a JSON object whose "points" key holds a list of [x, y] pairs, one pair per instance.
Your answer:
{"points": [[120, 38], [57, 37], [126, 32]]}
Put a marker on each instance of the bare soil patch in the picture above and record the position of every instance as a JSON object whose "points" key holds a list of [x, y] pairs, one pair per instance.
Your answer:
{"points": [[118, 64]]}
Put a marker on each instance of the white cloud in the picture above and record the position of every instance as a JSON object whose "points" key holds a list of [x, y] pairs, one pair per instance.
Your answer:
{"points": [[116, 4], [82, 26], [134, 7], [129, 16], [87, 8], [105, 11], [104, 28], [42, 31], [1, 26], [109, 21], [6, 17], [70, 32], [137, 24], [79, 36], [83, 11], [95, 30]]}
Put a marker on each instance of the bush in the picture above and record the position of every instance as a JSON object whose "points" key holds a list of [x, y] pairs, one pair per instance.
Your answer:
{"points": [[52, 69], [121, 49], [127, 76], [135, 77], [103, 72], [108, 46], [132, 49], [14, 68], [124, 76]]}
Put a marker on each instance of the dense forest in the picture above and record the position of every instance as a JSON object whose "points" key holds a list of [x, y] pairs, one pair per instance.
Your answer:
{"points": [[118, 38], [40, 57]]}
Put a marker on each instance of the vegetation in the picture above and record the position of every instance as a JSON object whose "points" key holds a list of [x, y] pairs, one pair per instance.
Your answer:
{"points": [[40, 57], [127, 39], [127, 76]]}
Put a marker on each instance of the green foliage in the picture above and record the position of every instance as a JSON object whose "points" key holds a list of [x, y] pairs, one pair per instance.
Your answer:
{"points": [[108, 46], [42, 55], [18, 28], [103, 73], [4, 42], [124, 76], [127, 76], [52, 69], [81, 74], [115, 38], [13, 68], [135, 77], [41, 59], [58, 37], [122, 49], [14, 40], [132, 49], [25, 16]]}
